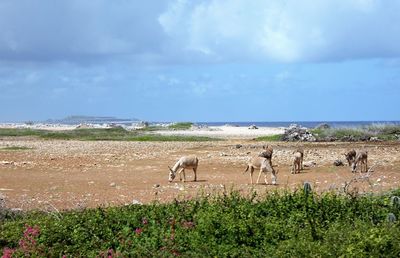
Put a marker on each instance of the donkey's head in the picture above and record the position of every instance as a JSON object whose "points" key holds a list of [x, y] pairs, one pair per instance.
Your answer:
{"points": [[171, 174], [353, 166]]}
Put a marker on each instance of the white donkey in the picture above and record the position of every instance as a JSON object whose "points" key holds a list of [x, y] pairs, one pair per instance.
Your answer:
{"points": [[265, 165], [185, 162]]}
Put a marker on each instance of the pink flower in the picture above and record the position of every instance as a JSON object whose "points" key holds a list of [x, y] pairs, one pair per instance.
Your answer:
{"points": [[138, 231], [188, 224], [7, 252], [175, 252], [145, 221]]}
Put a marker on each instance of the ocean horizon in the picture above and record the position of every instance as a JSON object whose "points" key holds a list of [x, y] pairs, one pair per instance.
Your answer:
{"points": [[308, 124]]}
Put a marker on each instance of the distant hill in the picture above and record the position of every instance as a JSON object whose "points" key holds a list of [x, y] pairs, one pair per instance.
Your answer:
{"points": [[75, 119]]}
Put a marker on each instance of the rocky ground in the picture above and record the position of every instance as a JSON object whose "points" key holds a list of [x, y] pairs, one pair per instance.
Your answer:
{"points": [[54, 175]]}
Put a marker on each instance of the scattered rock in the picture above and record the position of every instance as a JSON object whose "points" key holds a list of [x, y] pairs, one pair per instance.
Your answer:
{"points": [[113, 184], [330, 139], [348, 138], [375, 139], [323, 126], [136, 202], [310, 164], [338, 163], [84, 126], [296, 133], [2, 201], [253, 127], [156, 185], [223, 154], [53, 188], [5, 162], [238, 146]]}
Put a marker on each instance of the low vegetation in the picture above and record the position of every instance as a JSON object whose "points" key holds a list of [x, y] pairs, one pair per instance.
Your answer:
{"points": [[289, 224], [109, 134], [376, 131], [15, 148], [181, 126], [270, 138], [174, 126]]}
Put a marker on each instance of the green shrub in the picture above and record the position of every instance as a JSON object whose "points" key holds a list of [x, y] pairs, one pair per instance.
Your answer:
{"points": [[291, 224], [381, 131]]}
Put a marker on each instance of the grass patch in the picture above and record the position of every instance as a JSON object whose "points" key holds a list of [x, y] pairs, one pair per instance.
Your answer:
{"points": [[172, 138], [15, 148], [109, 134], [19, 132], [180, 126], [270, 138], [289, 224]]}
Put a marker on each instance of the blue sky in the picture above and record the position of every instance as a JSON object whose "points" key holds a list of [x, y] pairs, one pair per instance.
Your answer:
{"points": [[205, 60]]}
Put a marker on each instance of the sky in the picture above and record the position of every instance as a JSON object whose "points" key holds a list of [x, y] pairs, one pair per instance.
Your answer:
{"points": [[200, 60]]}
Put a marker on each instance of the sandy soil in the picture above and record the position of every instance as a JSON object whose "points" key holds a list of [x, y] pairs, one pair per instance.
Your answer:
{"points": [[71, 174]]}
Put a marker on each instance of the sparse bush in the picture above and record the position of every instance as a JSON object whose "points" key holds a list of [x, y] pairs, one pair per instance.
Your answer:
{"points": [[181, 126], [380, 131]]}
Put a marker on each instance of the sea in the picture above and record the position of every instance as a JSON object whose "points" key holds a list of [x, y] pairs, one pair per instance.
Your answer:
{"points": [[308, 124]]}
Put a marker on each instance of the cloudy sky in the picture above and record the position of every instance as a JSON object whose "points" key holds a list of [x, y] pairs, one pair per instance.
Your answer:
{"points": [[205, 60]]}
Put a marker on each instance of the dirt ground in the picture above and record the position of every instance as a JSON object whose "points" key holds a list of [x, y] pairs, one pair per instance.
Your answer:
{"points": [[54, 175]]}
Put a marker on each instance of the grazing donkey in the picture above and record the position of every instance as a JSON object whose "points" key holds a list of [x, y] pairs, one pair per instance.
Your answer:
{"points": [[297, 161], [350, 156], [267, 152], [265, 165], [185, 162], [362, 158]]}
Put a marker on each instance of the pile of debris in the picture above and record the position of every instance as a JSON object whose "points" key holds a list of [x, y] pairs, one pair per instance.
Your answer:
{"points": [[297, 133]]}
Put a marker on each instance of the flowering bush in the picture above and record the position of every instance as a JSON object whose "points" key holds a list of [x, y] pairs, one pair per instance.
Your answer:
{"points": [[292, 224]]}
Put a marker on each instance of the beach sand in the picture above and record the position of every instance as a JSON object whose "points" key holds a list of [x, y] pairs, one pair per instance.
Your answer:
{"points": [[227, 132]]}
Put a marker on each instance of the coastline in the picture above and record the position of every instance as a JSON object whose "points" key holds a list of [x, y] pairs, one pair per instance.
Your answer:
{"points": [[223, 131]]}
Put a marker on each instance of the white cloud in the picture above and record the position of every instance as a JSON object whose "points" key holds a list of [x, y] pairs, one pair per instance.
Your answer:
{"points": [[78, 30], [178, 31], [285, 31]]}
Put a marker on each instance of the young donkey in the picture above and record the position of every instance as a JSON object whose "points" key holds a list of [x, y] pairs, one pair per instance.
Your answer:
{"points": [[298, 156], [350, 156], [185, 162], [361, 157], [265, 165]]}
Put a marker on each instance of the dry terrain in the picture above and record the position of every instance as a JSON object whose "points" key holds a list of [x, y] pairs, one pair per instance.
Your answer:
{"points": [[61, 174]]}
